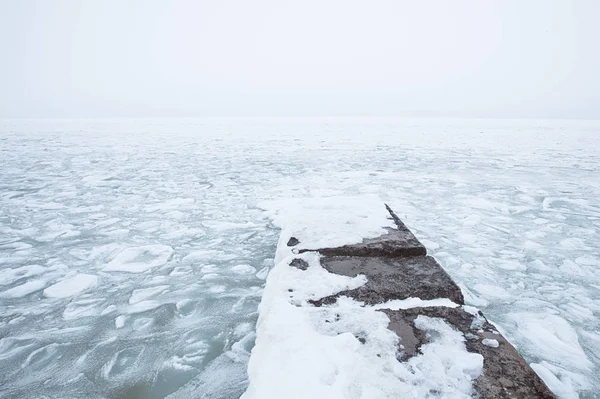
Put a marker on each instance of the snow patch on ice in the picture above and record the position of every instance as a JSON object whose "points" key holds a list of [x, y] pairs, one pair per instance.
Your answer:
{"points": [[492, 343]]}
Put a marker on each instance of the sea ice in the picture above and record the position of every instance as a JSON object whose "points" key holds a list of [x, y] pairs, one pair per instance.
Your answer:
{"points": [[24, 289], [8, 275], [140, 259], [511, 199], [141, 294], [71, 286]]}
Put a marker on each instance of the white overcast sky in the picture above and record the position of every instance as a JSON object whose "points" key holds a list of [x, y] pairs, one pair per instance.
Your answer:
{"points": [[523, 59]]}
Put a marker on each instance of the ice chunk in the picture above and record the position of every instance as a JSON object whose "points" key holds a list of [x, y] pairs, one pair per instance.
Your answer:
{"points": [[82, 308], [71, 286], [8, 275], [217, 289], [552, 337], [43, 356], [143, 306], [263, 273], [491, 291], [243, 269], [492, 343], [24, 289], [145, 293], [108, 310], [120, 321], [140, 259], [564, 388]]}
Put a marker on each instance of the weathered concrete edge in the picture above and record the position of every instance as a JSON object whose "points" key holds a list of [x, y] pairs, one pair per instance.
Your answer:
{"points": [[398, 242], [391, 279]]}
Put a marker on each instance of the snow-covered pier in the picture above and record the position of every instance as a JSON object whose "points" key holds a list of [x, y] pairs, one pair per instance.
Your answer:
{"points": [[354, 308]]}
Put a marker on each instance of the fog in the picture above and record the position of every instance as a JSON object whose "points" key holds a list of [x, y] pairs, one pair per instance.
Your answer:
{"points": [[496, 59]]}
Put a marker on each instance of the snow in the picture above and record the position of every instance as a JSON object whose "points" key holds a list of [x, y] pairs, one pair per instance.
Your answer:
{"points": [[408, 303], [507, 204], [71, 286], [492, 343], [244, 269]]}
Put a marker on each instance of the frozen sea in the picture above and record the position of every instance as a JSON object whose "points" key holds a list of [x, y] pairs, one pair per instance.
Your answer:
{"points": [[133, 252]]}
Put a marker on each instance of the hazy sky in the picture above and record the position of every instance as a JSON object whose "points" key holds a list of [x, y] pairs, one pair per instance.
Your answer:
{"points": [[523, 58]]}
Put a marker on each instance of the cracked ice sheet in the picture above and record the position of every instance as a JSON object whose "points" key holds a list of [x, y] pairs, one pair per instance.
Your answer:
{"points": [[510, 205], [308, 352]]}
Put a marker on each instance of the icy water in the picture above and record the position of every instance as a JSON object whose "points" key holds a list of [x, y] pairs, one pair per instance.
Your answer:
{"points": [[133, 253]]}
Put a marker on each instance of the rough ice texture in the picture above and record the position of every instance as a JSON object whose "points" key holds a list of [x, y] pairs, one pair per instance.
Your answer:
{"points": [[71, 286], [24, 289], [140, 259], [10, 275], [502, 203]]}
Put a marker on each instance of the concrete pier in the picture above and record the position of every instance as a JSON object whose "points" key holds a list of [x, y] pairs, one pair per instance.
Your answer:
{"points": [[396, 267]]}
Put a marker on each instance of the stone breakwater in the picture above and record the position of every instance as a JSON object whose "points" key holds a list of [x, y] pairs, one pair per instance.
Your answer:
{"points": [[374, 319]]}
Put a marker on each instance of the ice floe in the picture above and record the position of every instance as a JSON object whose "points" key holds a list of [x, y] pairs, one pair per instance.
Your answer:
{"points": [[71, 286], [140, 259]]}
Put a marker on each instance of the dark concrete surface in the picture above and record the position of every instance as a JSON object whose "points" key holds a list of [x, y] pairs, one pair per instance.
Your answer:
{"points": [[387, 279], [395, 244]]}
